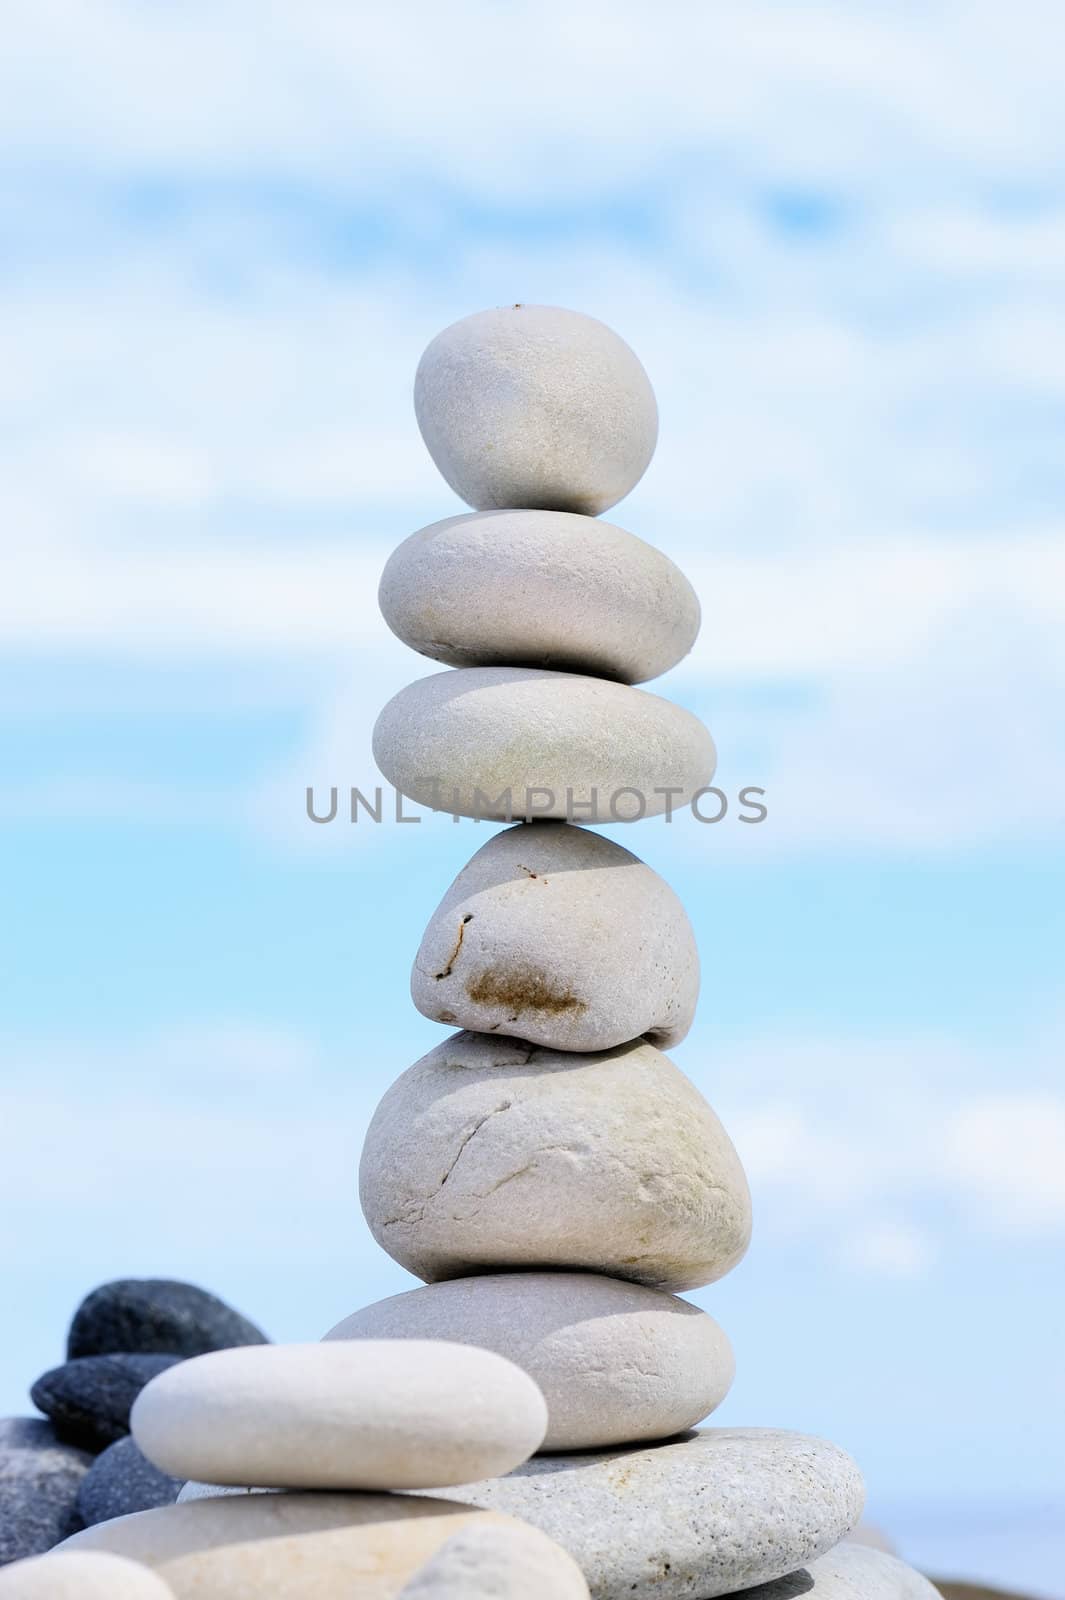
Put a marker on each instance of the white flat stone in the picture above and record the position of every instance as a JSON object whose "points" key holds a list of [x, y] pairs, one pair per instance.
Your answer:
{"points": [[723, 1509], [616, 1362], [850, 1572], [498, 1563], [539, 589], [380, 1415], [77, 1575], [558, 935], [490, 1154], [505, 743], [535, 406], [288, 1546]]}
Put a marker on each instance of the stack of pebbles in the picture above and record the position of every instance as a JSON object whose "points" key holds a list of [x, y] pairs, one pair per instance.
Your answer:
{"points": [[549, 1173]]}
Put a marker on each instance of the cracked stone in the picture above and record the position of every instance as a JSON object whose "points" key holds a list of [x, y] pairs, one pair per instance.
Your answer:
{"points": [[490, 1154]]}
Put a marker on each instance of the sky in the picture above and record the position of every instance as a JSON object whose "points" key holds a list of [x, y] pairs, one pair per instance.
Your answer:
{"points": [[835, 236]]}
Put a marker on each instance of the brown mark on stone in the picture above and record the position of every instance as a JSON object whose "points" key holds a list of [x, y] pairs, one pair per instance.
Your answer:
{"points": [[522, 989], [529, 871], [453, 957]]}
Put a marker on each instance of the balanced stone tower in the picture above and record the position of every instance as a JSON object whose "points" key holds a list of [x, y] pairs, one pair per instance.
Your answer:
{"points": [[553, 1177], [547, 1171]]}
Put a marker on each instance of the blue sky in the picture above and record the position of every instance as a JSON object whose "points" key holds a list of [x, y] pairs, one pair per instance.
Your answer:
{"points": [[836, 237]]}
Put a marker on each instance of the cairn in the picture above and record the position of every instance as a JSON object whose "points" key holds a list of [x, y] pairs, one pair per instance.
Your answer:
{"points": [[551, 1176]]}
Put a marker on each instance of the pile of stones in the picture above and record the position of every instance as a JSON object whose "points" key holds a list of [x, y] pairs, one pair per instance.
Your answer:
{"points": [[551, 1176], [77, 1465]]}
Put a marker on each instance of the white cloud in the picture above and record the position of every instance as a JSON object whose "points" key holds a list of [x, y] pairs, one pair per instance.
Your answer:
{"points": [[836, 1135], [1007, 1151], [588, 98], [889, 1249], [212, 447]]}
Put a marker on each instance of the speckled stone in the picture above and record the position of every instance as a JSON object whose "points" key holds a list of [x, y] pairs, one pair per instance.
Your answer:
{"points": [[491, 1154], [513, 743], [558, 935], [300, 1546], [156, 1316], [379, 1414], [39, 1481], [122, 1480], [616, 1362], [723, 1509], [539, 589], [535, 406], [498, 1563], [88, 1400], [76, 1575], [850, 1572]]}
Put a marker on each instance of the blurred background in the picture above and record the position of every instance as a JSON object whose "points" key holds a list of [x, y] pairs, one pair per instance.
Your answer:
{"points": [[835, 235]]}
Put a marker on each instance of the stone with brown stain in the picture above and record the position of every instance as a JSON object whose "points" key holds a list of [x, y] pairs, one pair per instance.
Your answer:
{"points": [[558, 935]]}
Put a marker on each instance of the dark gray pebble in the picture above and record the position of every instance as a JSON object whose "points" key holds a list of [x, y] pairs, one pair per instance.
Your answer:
{"points": [[89, 1400], [147, 1315], [39, 1482], [123, 1480]]}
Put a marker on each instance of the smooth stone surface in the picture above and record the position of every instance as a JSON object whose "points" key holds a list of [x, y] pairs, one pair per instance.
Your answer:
{"points": [[122, 1480], [850, 1572], [558, 935], [88, 1400], [156, 1316], [39, 1480], [490, 1154], [616, 1362], [539, 589], [506, 743], [74, 1575], [536, 406], [381, 1414], [498, 1563], [722, 1509], [299, 1546]]}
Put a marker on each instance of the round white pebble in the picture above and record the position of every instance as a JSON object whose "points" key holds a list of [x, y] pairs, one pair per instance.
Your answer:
{"points": [[616, 1362], [535, 406], [505, 743], [81, 1575], [539, 589], [384, 1415]]}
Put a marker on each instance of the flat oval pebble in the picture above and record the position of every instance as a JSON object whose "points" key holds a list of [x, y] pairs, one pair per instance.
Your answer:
{"points": [[616, 1362], [88, 1400], [536, 406], [39, 1481], [77, 1575], [558, 935], [723, 1509], [376, 1415], [850, 1572], [497, 1562], [156, 1316], [491, 1154], [539, 589], [300, 1546], [123, 1480], [505, 743]]}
